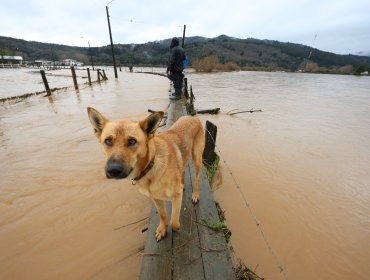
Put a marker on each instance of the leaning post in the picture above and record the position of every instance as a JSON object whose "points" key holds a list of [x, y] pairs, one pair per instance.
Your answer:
{"points": [[88, 76], [74, 77], [46, 84], [209, 154], [104, 75]]}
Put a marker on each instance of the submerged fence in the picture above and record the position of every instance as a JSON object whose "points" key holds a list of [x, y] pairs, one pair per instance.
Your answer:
{"points": [[100, 76]]}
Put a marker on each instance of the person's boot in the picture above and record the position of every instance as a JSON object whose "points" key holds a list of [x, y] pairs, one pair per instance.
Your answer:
{"points": [[178, 93]]}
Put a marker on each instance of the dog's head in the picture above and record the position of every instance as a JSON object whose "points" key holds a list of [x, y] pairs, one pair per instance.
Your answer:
{"points": [[125, 142]]}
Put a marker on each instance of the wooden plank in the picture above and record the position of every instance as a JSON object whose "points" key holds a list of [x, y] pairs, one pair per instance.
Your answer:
{"points": [[157, 258], [188, 263], [175, 111], [195, 251], [217, 261]]}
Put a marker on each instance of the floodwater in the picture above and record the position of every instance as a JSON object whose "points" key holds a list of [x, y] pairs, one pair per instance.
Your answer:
{"points": [[28, 80], [59, 215], [303, 164]]}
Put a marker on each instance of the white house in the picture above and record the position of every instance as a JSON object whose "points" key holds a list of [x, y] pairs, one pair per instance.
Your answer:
{"points": [[72, 62], [43, 62], [7, 59]]}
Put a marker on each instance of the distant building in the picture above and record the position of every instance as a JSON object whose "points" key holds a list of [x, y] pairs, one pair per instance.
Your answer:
{"points": [[6, 59], [43, 63], [72, 62], [46, 63]]}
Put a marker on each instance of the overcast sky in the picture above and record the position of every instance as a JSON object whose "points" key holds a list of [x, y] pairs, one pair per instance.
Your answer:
{"points": [[342, 26]]}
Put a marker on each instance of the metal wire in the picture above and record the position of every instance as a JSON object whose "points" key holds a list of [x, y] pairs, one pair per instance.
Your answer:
{"points": [[280, 266]]}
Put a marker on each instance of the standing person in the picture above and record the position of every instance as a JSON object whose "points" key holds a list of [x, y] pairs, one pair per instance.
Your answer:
{"points": [[175, 67]]}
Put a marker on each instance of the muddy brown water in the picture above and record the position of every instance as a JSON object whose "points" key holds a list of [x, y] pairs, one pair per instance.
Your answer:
{"points": [[303, 163], [58, 211]]}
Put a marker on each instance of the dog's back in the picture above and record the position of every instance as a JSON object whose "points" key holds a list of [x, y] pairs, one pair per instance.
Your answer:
{"points": [[188, 135]]}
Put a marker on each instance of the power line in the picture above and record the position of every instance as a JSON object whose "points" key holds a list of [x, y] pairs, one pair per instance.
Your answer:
{"points": [[148, 23], [280, 266]]}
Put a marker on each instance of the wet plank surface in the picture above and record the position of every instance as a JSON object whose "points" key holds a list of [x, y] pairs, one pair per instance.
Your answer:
{"points": [[195, 251]]}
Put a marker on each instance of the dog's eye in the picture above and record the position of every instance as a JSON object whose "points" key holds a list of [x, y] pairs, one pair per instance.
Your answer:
{"points": [[108, 142], [131, 142]]}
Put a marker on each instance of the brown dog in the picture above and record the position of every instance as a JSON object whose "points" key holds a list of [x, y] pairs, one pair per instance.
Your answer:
{"points": [[156, 163]]}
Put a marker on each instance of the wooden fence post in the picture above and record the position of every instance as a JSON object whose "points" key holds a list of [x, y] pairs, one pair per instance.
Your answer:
{"points": [[104, 76], [186, 93], [74, 77], [98, 72], [192, 98], [46, 84], [209, 154], [88, 76]]}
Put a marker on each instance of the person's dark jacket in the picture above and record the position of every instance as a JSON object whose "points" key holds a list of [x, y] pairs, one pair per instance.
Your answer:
{"points": [[176, 57]]}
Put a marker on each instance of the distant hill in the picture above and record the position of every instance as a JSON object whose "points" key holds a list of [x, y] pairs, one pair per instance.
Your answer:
{"points": [[247, 53]]}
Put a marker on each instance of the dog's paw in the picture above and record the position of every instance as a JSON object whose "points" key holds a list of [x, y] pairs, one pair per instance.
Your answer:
{"points": [[175, 226], [160, 232], [195, 198]]}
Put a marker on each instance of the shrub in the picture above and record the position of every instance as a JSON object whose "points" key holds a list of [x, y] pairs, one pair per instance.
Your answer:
{"points": [[231, 66], [211, 63], [206, 64], [346, 69]]}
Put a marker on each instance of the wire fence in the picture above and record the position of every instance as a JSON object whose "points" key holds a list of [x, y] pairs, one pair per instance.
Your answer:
{"points": [[248, 206]]}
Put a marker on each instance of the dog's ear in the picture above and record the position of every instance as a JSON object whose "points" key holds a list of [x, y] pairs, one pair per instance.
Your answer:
{"points": [[98, 121], [151, 123]]}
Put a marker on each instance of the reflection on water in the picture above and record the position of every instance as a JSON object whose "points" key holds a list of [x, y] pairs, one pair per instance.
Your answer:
{"points": [[58, 211], [303, 163], [20, 81], [15, 82]]}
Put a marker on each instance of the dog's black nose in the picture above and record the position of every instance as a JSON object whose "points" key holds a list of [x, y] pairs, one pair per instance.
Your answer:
{"points": [[115, 171]]}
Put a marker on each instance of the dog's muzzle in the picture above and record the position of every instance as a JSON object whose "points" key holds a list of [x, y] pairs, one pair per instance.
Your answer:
{"points": [[116, 170]]}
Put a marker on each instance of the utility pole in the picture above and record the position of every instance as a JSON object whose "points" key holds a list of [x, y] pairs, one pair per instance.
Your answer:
{"points": [[92, 62], [52, 56], [183, 36], [111, 42]]}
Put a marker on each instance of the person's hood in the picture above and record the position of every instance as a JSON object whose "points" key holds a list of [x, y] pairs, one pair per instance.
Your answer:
{"points": [[174, 42]]}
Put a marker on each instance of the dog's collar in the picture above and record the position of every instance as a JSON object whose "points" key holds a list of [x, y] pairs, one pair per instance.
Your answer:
{"points": [[144, 172]]}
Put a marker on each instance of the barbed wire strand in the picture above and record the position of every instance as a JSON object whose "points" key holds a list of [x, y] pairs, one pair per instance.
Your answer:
{"points": [[148, 23], [280, 266]]}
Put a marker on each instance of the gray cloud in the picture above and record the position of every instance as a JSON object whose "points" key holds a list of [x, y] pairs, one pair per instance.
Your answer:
{"points": [[341, 26]]}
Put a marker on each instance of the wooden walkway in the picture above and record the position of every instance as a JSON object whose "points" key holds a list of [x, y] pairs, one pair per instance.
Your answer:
{"points": [[195, 251]]}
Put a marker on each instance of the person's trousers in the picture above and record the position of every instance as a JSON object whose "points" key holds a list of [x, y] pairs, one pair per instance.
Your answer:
{"points": [[176, 78]]}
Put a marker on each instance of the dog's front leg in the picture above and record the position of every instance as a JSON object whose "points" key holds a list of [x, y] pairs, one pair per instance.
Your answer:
{"points": [[176, 208], [161, 229]]}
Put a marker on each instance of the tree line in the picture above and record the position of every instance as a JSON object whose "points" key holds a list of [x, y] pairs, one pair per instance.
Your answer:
{"points": [[246, 54]]}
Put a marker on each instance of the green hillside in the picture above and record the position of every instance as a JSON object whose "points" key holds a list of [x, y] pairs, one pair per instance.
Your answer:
{"points": [[247, 53]]}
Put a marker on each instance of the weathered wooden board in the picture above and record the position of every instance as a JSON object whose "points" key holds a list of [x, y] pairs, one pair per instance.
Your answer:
{"points": [[216, 256], [188, 263], [175, 111], [195, 251], [157, 258]]}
